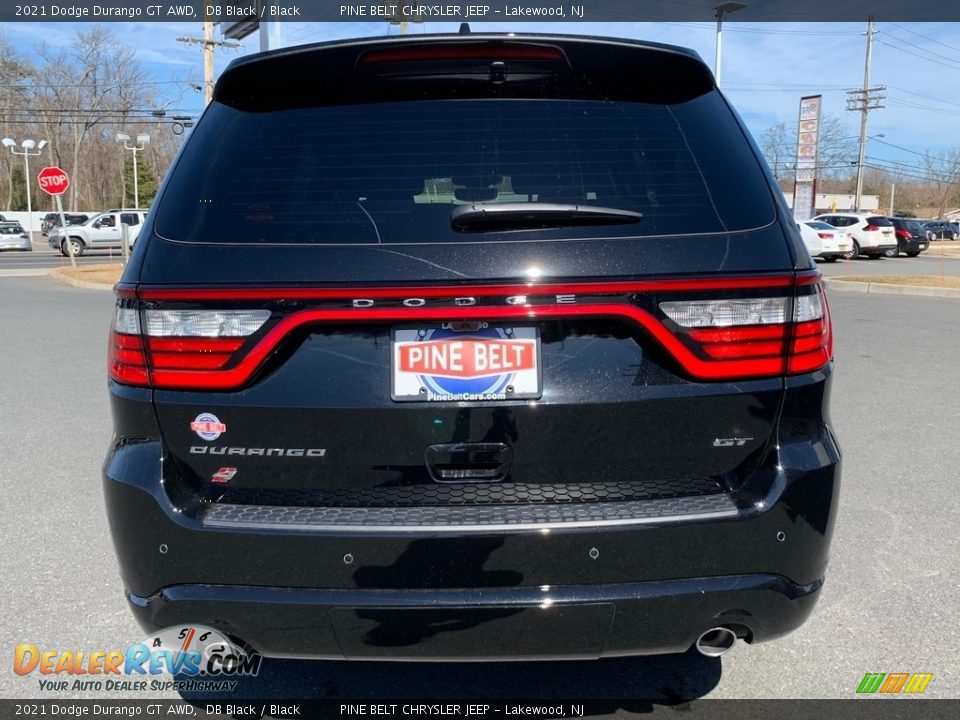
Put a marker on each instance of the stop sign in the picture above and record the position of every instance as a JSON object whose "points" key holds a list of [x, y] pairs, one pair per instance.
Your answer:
{"points": [[53, 181]]}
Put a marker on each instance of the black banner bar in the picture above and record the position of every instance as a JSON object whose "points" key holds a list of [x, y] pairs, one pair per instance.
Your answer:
{"points": [[475, 11], [342, 709]]}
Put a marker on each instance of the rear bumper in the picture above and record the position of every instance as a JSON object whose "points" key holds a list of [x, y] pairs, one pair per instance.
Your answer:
{"points": [[512, 623], [589, 580], [913, 245], [580, 592], [878, 248]]}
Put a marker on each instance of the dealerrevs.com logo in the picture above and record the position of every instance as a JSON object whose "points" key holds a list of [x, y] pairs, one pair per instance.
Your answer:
{"points": [[198, 658]]}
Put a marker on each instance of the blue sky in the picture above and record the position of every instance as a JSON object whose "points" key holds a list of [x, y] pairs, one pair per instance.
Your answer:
{"points": [[766, 66]]}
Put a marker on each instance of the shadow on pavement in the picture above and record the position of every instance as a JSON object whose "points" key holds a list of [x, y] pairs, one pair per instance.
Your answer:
{"points": [[634, 683]]}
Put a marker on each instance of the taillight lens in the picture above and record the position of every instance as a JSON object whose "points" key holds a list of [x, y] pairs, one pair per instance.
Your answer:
{"points": [[825, 235], [169, 346], [871, 228], [756, 336], [903, 234]]}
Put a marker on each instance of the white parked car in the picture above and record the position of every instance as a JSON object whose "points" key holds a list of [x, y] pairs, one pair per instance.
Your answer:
{"points": [[101, 232], [871, 235], [824, 240]]}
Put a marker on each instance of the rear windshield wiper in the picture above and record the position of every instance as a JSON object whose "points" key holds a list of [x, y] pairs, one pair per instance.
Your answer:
{"points": [[516, 216]]}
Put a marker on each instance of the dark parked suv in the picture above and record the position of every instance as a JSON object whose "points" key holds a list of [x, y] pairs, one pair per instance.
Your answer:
{"points": [[911, 237], [472, 347]]}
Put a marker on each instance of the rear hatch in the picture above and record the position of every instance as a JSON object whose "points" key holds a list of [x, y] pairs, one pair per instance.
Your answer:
{"points": [[479, 271]]}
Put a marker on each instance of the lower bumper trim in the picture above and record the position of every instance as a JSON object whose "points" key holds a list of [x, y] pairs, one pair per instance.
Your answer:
{"points": [[460, 519], [504, 623]]}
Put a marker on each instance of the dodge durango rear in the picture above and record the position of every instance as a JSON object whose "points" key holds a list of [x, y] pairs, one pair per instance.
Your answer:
{"points": [[473, 347]]}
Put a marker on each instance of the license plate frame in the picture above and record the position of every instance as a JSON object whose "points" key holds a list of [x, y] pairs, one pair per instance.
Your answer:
{"points": [[513, 351]]}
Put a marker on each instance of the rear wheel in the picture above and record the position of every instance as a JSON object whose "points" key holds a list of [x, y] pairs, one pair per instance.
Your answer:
{"points": [[854, 252], [892, 252], [77, 245], [913, 254]]}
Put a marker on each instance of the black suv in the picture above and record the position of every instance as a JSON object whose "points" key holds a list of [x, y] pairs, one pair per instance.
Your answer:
{"points": [[911, 237], [472, 347]]}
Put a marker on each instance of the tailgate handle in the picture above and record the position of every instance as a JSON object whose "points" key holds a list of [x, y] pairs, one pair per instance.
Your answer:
{"points": [[469, 462]]}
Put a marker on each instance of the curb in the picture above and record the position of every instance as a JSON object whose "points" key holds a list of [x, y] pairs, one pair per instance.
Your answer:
{"points": [[58, 274], [888, 289]]}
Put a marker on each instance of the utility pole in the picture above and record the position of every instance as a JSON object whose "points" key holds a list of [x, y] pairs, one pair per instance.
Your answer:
{"points": [[863, 100], [209, 45]]}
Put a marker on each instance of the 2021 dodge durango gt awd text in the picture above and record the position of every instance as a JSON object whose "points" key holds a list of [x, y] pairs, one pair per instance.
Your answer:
{"points": [[472, 347]]}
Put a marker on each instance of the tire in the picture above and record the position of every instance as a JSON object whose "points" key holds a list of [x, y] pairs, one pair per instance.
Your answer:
{"points": [[892, 252], [78, 247], [854, 252], [953, 236], [913, 254]]}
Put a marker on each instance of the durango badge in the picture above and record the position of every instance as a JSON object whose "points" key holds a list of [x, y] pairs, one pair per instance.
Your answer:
{"points": [[208, 426]]}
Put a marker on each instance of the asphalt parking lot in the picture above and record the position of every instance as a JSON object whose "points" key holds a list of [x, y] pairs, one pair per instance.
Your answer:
{"points": [[890, 602]]}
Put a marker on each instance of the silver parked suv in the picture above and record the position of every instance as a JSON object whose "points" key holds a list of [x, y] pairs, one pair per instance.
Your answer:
{"points": [[101, 232]]}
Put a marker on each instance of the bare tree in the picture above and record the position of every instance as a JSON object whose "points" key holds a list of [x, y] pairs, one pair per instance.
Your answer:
{"points": [[14, 71], [779, 146], [97, 82], [836, 149], [943, 174]]}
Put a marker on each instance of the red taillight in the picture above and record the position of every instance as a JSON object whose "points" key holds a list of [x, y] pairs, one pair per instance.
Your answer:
{"points": [[168, 346], [871, 228], [126, 360], [485, 51], [757, 336], [825, 235], [903, 234], [192, 353]]}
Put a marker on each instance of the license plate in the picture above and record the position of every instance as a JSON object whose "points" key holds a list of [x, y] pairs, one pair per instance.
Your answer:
{"points": [[470, 361], [842, 246]]}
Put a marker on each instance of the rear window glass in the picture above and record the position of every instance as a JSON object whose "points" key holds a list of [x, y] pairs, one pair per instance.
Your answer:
{"points": [[393, 172], [879, 221], [820, 225]]}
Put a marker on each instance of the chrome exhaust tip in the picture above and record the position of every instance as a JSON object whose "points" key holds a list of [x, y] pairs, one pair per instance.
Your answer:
{"points": [[716, 642]]}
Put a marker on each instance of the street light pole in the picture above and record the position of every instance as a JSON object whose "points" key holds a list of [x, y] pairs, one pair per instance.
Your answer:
{"points": [[142, 141], [721, 11], [27, 146]]}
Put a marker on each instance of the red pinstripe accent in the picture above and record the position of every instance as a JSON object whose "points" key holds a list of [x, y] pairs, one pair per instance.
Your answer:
{"points": [[238, 375]]}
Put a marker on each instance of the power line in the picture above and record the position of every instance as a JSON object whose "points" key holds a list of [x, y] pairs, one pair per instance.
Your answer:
{"points": [[919, 106], [928, 97], [925, 37], [898, 147], [919, 57]]}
